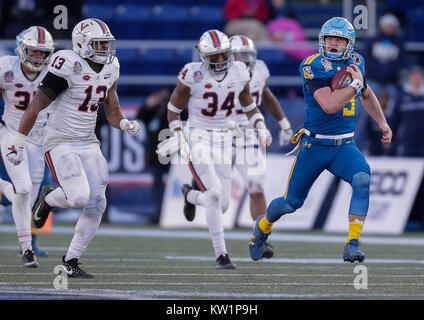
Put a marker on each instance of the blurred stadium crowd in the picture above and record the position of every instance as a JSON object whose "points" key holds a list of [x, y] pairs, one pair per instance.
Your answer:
{"points": [[162, 35]]}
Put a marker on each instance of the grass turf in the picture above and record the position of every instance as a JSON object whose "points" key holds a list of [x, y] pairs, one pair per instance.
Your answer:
{"points": [[139, 262]]}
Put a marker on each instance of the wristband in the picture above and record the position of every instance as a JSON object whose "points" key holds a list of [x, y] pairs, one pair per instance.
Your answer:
{"points": [[357, 85], [173, 108], [260, 125], [20, 140], [248, 108], [175, 124], [254, 118], [284, 124]]}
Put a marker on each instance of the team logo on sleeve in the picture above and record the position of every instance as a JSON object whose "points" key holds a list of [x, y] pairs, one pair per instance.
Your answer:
{"points": [[8, 76], [355, 58], [77, 67], [307, 73], [197, 76], [327, 65]]}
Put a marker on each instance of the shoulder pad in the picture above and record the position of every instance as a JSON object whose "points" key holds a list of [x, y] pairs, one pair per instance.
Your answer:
{"points": [[311, 59], [312, 67], [185, 76], [63, 63], [242, 70], [262, 68]]}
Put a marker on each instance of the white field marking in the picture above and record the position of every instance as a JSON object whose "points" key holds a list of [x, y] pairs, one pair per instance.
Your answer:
{"points": [[226, 275], [16, 248], [300, 260], [157, 294], [232, 235], [273, 284], [259, 266], [202, 259]]}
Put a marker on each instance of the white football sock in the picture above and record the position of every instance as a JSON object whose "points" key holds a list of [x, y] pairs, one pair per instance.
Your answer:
{"points": [[216, 229], [85, 229], [21, 213]]}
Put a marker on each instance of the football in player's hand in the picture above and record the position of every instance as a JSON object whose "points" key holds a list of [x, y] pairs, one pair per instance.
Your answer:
{"points": [[341, 80]]}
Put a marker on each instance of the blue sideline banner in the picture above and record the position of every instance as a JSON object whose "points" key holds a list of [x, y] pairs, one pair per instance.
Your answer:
{"points": [[394, 185]]}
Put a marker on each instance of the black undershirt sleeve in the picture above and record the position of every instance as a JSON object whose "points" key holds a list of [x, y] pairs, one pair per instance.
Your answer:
{"points": [[365, 85], [315, 84], [52, 85]]}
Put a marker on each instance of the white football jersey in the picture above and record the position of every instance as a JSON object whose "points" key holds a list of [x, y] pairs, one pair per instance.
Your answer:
{"points": [[73, 113], [212, 102], [260, 75], [18, 92]]}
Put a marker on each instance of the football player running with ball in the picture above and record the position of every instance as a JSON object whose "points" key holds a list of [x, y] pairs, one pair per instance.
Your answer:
{"points": [[210, 88], [243, 49], [77, 81], [19, 79], [326, 141]]}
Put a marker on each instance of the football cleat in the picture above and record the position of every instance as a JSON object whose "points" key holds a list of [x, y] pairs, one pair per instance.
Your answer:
{"points": [[258, 241], [224, 262], [268, 251], [352, 253], [189, 208], [72, 269], [41, 210], [29, 260]]}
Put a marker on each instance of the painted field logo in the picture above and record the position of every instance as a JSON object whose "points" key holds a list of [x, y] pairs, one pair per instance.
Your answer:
{"points": [[361, 280], [61, 280]]}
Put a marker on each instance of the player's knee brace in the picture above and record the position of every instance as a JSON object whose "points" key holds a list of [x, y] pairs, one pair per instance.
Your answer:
{"points": [[361, 193], [280, 206], [96, 206], [77, 202], [214, 197]]}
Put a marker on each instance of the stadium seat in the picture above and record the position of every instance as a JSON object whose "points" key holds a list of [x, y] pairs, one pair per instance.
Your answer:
{"points": [[166, 22], [202, 18], [102, 12], [126, 13]]}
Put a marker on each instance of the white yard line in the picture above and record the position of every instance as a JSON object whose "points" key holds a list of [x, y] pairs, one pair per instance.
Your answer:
{"points": [[225, 275], [154, 294]]}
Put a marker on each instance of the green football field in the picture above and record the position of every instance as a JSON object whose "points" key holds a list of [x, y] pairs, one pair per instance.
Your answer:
{"points": [[145, 262]]}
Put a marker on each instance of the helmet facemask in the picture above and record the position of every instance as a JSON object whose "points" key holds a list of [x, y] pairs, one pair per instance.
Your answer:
{"points": [[248, 57], [333, 51], [102, 50], [33, 63], [218, 67]]}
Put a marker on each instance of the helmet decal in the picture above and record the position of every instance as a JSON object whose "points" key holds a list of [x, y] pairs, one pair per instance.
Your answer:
{"points": [[215, 38]]}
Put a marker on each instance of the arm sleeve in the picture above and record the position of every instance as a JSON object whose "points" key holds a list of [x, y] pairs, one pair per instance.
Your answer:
{"points": [[52, 85], [316, 84]]}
